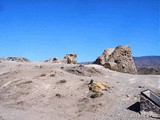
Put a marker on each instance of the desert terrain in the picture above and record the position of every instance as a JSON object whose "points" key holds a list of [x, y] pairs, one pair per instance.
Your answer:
{"points": [[59, 91]]}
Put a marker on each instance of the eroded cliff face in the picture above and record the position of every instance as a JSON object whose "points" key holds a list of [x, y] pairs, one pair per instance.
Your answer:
{"points": [[118, 59], [102, 59]]}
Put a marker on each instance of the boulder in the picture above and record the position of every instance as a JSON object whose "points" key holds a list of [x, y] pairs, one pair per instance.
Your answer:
{"points": [[97, 87], [118, 59]]}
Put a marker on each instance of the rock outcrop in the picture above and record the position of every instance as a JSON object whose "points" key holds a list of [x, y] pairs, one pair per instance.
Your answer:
{"points": [[17, 59], [102, 59], [68, 59], [118, 59]]}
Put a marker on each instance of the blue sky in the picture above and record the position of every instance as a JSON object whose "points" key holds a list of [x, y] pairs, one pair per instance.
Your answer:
{"points": [[42, 29]]}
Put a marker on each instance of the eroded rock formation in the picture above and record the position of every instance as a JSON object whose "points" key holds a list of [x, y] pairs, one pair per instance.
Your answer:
{"points": [[69, 59], [118, 59], [102, 59]]}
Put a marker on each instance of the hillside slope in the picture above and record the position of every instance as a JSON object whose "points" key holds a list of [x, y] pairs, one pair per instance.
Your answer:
{"points": [[47, 91], [147, 61]]}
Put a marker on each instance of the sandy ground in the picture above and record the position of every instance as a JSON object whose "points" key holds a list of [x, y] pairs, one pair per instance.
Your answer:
{"points": [[46, 91]]}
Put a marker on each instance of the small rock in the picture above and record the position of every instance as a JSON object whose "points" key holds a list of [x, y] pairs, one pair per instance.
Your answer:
{"points": [[85, 100], [42, 75], [52, 74], [95, 95], [127, 96], [140, 87], [61, 81], [81, 65], [81, 79], [58, 95]]}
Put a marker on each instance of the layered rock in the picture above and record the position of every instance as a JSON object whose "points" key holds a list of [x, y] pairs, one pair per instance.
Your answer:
{"points": [[118, 59]]}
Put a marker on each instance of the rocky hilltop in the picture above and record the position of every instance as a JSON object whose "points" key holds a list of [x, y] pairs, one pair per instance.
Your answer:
{"points": [[118, 59], [17, 59]]}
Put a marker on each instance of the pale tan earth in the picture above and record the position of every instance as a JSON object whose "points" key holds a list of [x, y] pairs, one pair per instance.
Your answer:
{"points": [[58, 91]]}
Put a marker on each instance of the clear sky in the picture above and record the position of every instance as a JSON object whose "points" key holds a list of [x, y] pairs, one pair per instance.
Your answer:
{"points": [[42, 29]]}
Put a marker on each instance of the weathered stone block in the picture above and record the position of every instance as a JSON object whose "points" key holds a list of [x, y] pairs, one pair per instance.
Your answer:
{"points": [[150, 104]]}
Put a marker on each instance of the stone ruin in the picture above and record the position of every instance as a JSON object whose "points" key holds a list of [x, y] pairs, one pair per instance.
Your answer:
{"points": [[117, 59], [150, 104], [68, 59]]}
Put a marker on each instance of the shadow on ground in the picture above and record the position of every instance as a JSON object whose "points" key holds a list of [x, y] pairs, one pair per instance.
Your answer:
{"points": [[135, 107]]}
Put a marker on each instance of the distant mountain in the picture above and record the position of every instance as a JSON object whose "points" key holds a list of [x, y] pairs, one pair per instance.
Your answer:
{"points": [[147, 61], [148, 64]]}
